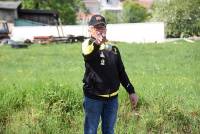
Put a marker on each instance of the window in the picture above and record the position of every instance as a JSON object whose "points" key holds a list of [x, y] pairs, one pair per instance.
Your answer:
{"points": [[108, 1]]}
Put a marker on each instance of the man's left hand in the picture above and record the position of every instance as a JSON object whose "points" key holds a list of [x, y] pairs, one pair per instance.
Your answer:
{"points": [[133, 99]]}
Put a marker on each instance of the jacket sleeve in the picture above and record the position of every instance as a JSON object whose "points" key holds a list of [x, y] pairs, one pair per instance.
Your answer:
{"points": [[89, 50], [123, 75]]}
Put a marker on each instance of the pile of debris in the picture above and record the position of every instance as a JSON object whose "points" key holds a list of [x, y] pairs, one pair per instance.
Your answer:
{"points": [[5, 38], [14, 44], [53, 39]]}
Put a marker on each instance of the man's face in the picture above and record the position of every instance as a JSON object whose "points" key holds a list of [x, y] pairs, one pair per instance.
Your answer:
{"points": [[97, 31]]}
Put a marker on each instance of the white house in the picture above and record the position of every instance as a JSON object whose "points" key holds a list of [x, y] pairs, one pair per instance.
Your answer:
{"points": [[96, 6], [111, 5], [92, 5]]}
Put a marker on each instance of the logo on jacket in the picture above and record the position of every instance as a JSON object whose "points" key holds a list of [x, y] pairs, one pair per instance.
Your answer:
{"points": [[102, 62], [102, 55], [102, 59], [115, 51]]}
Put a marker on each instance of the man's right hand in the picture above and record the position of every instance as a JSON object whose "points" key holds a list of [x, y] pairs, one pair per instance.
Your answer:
{"points": [[100, 39]]}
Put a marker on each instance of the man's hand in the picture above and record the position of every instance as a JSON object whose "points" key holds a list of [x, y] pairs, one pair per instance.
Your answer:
{"points": [[100, 38], [99, 34], [133, 99]]}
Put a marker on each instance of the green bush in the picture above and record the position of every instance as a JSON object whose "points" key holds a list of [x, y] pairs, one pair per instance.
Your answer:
{"points": [[134, 12], [112, 17], [181, 17]]}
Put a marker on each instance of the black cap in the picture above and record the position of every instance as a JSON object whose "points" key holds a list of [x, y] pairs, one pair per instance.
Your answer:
{"points": [[97, 19]]}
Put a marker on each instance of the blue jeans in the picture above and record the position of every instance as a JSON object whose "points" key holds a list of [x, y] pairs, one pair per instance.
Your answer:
{"points": [[94, 109]]}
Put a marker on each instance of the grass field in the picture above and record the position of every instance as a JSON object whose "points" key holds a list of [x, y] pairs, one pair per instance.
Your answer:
{"points": [[41, 89]]}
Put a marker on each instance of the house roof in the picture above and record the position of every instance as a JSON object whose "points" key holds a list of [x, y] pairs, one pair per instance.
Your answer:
{"points": [[9, 4], [146, 3], [36, 11], [89, 3]]}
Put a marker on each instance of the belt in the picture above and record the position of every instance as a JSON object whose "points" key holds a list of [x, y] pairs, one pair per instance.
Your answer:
{"points": [[109, 95]]}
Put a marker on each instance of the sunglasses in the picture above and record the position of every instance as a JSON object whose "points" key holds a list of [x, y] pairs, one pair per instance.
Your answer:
{"points": [[100, 26]]}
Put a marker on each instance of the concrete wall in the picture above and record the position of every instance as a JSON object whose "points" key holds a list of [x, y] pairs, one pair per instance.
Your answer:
{"points": [[137, 32]]}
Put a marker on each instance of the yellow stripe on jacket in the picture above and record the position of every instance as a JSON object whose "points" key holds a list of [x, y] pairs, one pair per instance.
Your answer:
{"points": [[87, 48], [109, 95]]}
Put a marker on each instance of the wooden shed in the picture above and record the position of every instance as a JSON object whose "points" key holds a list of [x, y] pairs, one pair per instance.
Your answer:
{"points": [[9, 10], [44, 17]]}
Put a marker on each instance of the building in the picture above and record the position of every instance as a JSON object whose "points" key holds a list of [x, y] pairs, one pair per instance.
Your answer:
{"points": [[111, 5], [93, 6], [9, 10], [37, 17], [97, 6]]}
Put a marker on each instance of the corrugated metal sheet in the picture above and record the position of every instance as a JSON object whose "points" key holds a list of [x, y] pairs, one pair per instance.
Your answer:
{"points": [[23, 22]]}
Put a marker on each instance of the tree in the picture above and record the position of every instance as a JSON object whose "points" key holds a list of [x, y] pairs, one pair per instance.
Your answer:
{"points": [[66, 8], [134, 12], [182, 17]]}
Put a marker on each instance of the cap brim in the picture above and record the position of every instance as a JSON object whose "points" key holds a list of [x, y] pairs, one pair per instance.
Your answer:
{"points": [[100, 23]]}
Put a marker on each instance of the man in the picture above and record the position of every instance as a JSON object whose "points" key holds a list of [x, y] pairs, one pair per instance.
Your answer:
{"points": [[104, 71]]}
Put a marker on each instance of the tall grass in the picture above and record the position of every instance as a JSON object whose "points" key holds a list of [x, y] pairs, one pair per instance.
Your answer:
{"points": [[41, 89]]}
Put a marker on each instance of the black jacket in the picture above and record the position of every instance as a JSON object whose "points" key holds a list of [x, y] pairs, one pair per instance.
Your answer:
{"points": [[104, 71]]}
